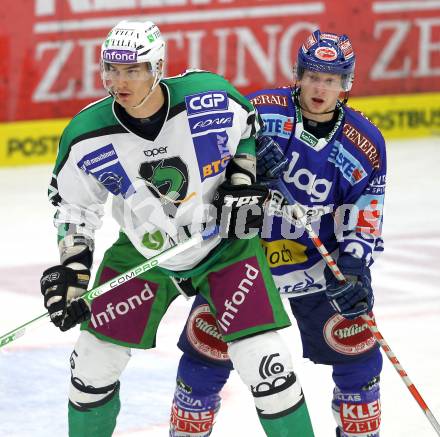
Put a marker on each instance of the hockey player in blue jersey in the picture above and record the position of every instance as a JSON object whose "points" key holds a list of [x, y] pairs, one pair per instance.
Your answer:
{"points": [[332, 161]]}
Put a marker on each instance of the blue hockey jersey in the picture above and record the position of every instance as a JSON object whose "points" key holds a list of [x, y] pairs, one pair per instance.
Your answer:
{"points": [[339, 180]]}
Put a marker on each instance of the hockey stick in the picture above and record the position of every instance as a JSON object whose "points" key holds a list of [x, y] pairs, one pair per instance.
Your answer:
{"points": [[88, 296], [300, 215]]}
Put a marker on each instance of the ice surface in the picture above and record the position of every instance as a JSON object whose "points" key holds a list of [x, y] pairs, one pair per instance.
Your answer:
{"points": [[34, 370]]}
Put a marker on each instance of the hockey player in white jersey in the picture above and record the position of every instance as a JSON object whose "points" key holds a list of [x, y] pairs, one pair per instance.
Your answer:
{"points": [[167, 150]]}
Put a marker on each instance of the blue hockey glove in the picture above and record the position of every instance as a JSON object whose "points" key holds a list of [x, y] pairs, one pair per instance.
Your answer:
{"points": [[355, 297], [271, 161]]}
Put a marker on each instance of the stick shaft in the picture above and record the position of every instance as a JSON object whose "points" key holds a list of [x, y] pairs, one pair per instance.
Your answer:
{"points": [[88, 296], [299, 215]]}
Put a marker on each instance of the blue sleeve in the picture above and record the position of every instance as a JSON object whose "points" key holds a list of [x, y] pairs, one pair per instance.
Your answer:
{"points": [[360, 233]]}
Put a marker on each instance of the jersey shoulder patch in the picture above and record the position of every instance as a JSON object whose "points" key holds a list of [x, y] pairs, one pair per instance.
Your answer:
{"points": [[364, 124], [94, 120], [364, 136], [193, 83], [275, 97]]}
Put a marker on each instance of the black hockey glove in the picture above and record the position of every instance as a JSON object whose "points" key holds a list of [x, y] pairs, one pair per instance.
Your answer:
{"points": [[355, 297], [239, 209], [60, 285]]}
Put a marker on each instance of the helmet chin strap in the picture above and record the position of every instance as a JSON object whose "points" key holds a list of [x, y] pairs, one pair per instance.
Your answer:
{"points": [[297, 101], [145, 98]]}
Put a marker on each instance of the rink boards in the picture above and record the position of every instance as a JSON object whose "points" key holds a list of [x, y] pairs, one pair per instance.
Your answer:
{"points": [[397, 116]]}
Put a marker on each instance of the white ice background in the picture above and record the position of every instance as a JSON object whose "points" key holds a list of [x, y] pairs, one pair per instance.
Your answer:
{"points": [[34, 370]]}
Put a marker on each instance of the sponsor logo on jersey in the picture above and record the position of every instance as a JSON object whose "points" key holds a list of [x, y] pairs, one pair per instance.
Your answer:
{"points": [[104, 165], [326, 53], [238, 297], [204, 336], [153, 240], [269, 99], [235, 298], [112, 311], [277, 125], [215, 167], [308, 138], [123, 316], [120, 56], [305, 283], [317, 188], [212, 153], [112, 181], [98, 158], [349, 166], [348, 337], [370, 214], [284, 252], [206, 102], [154, 152], [377, 185], [363, 144], [209, 122], [167, 179]]}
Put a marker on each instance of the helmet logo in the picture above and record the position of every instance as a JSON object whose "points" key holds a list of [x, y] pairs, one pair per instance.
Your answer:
{"points": [[346, 48], [311, 40], [119, 56], [330, 36], [326, 53]]}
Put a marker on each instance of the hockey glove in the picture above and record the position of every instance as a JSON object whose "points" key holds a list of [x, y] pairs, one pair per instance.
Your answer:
{"points": [[355, 297], [271, 161], [239, 209], [60, 285]]}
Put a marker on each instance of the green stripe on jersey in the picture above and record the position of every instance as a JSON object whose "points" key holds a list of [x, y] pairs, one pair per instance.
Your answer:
{"points": [[97, 117], [196, 82]]}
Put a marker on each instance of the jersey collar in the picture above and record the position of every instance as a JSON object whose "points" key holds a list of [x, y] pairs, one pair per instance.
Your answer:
{"points": [[306, 137]]}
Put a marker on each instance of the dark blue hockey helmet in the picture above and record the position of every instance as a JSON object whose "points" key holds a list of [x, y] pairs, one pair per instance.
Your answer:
{"points": [[326, 52]]}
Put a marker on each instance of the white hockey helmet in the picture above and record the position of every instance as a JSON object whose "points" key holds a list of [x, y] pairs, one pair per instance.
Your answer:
{"points": [[134, 42]]}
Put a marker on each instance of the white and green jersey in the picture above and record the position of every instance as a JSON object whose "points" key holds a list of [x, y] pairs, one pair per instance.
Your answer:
{"points": [[160, 188]]}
